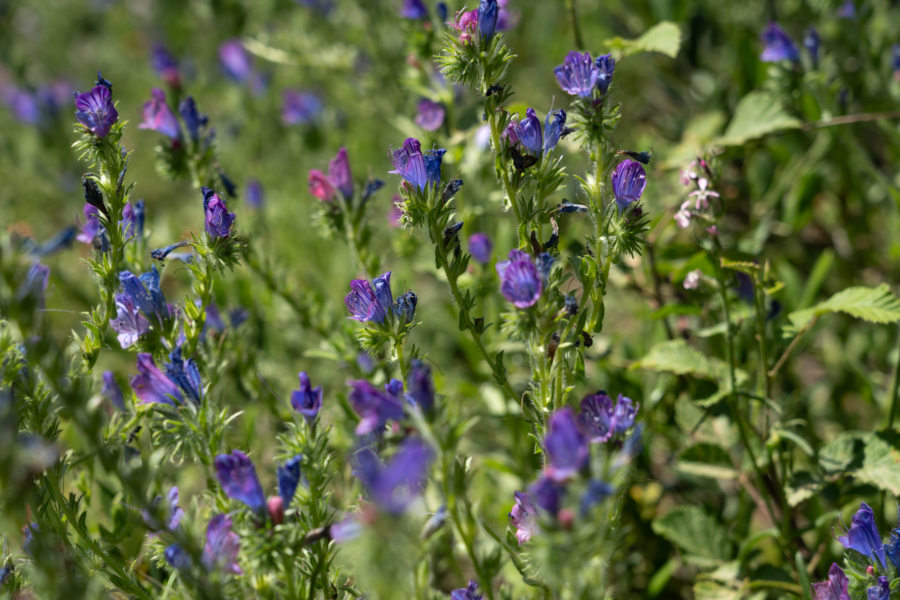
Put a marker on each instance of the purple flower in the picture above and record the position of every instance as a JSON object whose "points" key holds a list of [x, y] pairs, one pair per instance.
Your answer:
{"points": [[185, 374], [488, 12], [235, 60], [466, 22], [430, 115], [129, 323], [324, 187], [628, 181], [606, 64], [554, 128], [833, 589], [523, 517], [847, 10], [130, 216], [158, 116], [345, 530], [596, 417], [526, 133], [95, 110], [222, 546], [405, 307], [91, 226], [892, 548], [375, 407], [879, 591], [165, 65], [413, 9], [370, 302], [237, 475], [218, 220], [623, 416], [520, 281], [567, 450], [480, 247], [471, 591], [578, 75], [177, 557], [547, 494], [173, 513], [35, 284], [112, 390], [144, 292], [288, 479], [863, 536], [420, 386], [811, 42], [777, 46], [394, 486], [151, 385], [192, 118], [254, 193], [307, 400], [299, 107], [416, 168]]}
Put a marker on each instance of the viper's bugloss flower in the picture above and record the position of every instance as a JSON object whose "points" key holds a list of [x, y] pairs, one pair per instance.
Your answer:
{"points": [[892, 548], [254, 194], [128, 224], [413, 9], [520, 281], [523, 517], [469, 592], [547, 494], [218, 220], [544, 264], [405, 307], [863, 536], [151, 386], [145, 293], [578, 75], [419, 386], [158, 116], [165, 65], [324, 187], [599, 420], [35, 284], [526, 134], [392, 487], [623, 416], [289, 478], [185, 374], [236, 60], [566, 448], [466, 23], [596, 492], [480, 247], [192, 118], [177, 557], [129, 323], [554, 127], [811, 43], [222, 546], [370, 302], [91, 226], [488, 12], [307, 400], [112, 390], [895, 60], [430, 115], [95, 110], [606, 65], [628, 181], [416, 168], [835, 588], [238, 479], [173, 513], [345, 529], [880, 591], [374, 406], [299, 107], [777, 46]]}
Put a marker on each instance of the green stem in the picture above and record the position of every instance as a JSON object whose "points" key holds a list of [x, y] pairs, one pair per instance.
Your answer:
{"points": [[573, 21], [895, 386]]}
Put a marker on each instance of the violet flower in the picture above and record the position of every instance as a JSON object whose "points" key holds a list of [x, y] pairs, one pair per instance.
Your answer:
{"points": [[96, 111], [158, 116], [307, 400], [628, 182], [288, 479], [222, 546], [254, 194], [151, 385], [777, 46], [236, 60], [520, 281], [526, 134], [547, 494], [173, 512], [606, 64], [91, 226], [578, 75], [469, 592], [567, 450], [880, 591], [112, 390], [165, 65], [523, 517], [375, 407], [129, 323], [863, 536], [299, 108], [430, 115], [420, 387], [238, 479], [554, 128], [480, 247], [835, 588], [413, 9], [218, 220], [339, 178], [370, 302], [145, 293], [417, 168], [394, 486], [185, 374]]}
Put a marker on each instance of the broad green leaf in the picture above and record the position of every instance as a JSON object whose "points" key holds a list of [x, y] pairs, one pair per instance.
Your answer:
{"points": [[757, 114], [841, 453], [712, 590], [802, 486], [664, 37], [676, 356], [876, 305], [881, 463], [695, 531], [706, 460]]}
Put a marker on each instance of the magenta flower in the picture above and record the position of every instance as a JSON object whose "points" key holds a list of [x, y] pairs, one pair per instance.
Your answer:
{"points": [[339, 178], [222, 546], [158, 116]]}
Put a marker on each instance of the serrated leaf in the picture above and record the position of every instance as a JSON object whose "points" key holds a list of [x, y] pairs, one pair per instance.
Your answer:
{"points": [[757, 114], [881, 463], [676, 356], [695, 531], [876, 305], [664, 37]]}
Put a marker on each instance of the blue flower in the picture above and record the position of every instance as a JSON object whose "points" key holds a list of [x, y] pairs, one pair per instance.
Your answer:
{"points": [[565, 446], [370, 302], [413, 9], [480, 247], [520, 281], [222, 546], [151, 386], [307, 400], [416, 168], [218, 220], [394, 486], [488, 11], [173, 513], [193, 120], [526, 133], [596, 417], [836, 586], [544, 264], [177, 557], [237, 475], [578, 75], [185, 374], [606, 64], [405, 307], [299, 107], [597, 491], [811, 42], [892, 548], [628, 182], [129, 323], [289, 478], [254, 193], [879, 591], [112, 390], [420, 387], [554, 127], [469, 592], [165, 65], [96, 111], [547, 494], [375, 407], [623, 416], [144, 292], [777, 46], [235, 60], [863, 536]]}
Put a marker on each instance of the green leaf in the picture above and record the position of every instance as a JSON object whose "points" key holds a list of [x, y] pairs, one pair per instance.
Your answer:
{"points": [[881, 462], [664, 37], [757, 114], [706, 460], [676, 356], [712, 590], [876, 305], [838, 455], [695, 531], [803, 485]]}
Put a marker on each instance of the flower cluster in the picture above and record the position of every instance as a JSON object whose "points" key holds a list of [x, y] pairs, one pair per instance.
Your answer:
{"points": [[339, 179], [237, 476], [95, 109], [698, 205], [182, 378], [418, 169], [374, 303], [581, 76], [525, 140]]}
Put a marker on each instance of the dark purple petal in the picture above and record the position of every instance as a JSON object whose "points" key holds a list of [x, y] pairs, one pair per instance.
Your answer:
{"points": [[578, 75], [95, 110], [567, 450], [237, 475], [289, 479], [218, 220], [307, 400], [222, 546], [777, 46], [628, 182], [488, 12], [151, 385]]}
